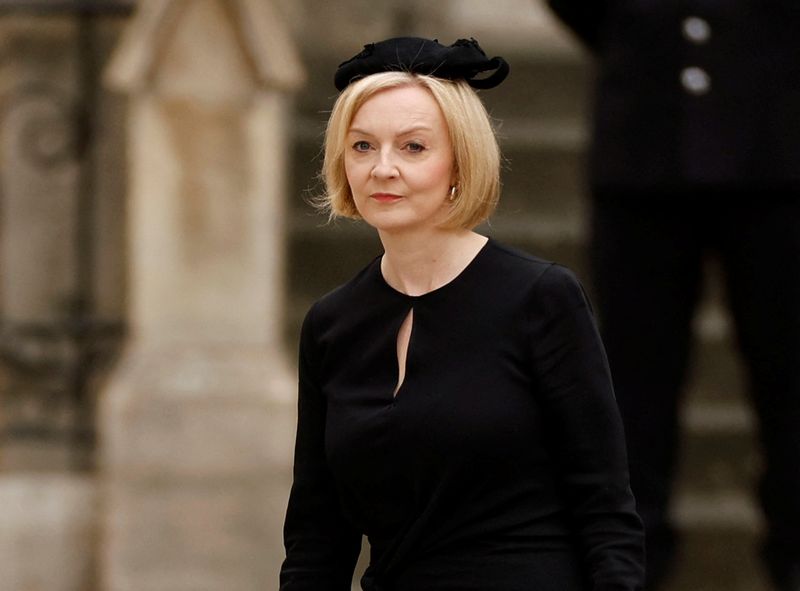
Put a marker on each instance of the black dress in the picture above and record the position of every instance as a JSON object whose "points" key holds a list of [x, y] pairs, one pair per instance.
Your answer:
{"points": [[499, 465]]}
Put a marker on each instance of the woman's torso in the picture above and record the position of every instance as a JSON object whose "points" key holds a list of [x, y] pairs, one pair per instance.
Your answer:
{"points": [[453, 479]]}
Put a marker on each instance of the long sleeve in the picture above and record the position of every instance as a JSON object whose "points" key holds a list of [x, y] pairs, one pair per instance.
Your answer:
{"points": [[586, 434], [582, 16], [321, 547]]}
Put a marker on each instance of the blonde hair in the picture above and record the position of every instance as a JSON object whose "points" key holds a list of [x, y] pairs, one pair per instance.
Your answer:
{"points": [[475, 150]]}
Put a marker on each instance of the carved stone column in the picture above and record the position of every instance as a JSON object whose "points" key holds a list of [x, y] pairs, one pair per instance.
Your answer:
{"points": [[198, 420], [60, 287]]}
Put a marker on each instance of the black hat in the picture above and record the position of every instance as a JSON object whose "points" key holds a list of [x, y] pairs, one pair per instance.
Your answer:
{"points": [[463, 60]]}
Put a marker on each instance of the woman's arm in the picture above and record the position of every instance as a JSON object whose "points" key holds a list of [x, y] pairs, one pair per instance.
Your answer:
{"points": [[321, 546], [586, 432]]}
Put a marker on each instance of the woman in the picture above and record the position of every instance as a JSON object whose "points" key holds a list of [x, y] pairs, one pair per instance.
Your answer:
{"points": [[455, 404]]}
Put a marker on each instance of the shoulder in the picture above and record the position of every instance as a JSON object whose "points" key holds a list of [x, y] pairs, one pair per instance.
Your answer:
{"points": [[542, 287], [507, 262], [538, 274], [338, 301]]}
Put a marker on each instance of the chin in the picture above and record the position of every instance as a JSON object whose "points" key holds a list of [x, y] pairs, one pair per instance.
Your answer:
{"points": [[391, 228], [388, 221]]}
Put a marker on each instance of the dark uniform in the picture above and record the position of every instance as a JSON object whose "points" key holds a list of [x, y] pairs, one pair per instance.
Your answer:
{"points": [[696, 148]]}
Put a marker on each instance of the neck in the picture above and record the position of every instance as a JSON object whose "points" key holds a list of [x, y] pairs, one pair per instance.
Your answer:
{"points": [[416, 265]]}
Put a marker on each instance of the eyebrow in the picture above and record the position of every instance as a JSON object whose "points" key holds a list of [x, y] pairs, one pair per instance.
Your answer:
{"points": [[406, 131]]}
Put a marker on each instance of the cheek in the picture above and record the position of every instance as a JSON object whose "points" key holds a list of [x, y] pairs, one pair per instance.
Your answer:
{"points": [[354, 173], [440, 173], [348, 170]]}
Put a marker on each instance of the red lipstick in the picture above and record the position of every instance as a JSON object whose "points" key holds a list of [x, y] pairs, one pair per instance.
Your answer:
{"points": [[385, 197]]}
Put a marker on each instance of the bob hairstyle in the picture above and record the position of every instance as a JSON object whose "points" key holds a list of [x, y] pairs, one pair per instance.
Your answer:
{"points": [[475, 150]]}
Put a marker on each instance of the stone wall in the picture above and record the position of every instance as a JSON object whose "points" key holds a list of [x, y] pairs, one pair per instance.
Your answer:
{"points": [[197, 419], [62, 284]]}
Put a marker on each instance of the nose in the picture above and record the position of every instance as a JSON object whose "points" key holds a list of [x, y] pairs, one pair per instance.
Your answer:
{"points": [[384, 167]]}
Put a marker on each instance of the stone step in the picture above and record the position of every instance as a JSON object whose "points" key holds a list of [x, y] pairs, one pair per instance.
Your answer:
{"points": [[322, 256], [540, 177], [717, 374], [718, 453], [731, 510], [719, 535], [718, 559], [541, 88]]}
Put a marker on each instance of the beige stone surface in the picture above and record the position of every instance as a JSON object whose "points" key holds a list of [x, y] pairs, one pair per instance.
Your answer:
{"points": [[205, 216], [38, 225], [196, 412], [195, 538], [47, 531], [48, 513], [198, 418], [208, 155], [177, 29], [109, 182], [196, 463]]}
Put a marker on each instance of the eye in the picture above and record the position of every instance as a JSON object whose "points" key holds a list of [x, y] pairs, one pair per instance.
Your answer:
{"points": [[361, 146], [415, 147]]}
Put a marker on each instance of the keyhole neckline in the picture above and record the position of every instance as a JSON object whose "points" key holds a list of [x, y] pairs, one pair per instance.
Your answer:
{"points": [[442, 288]]}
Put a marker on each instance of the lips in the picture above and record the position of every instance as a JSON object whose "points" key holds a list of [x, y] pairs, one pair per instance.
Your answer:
{"points": [[385, 197]]}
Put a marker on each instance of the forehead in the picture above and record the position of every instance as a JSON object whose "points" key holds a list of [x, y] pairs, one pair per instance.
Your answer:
{"points": [[400, 105]]}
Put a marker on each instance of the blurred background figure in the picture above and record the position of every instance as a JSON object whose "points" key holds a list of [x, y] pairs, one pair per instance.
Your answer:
{"points": [[695, 149]]}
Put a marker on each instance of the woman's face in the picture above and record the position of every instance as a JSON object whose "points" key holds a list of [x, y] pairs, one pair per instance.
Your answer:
{"points": [[399, 160]]}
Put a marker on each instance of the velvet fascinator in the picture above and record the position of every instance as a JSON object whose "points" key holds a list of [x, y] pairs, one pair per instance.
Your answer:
{"points": [[463, 60]]}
